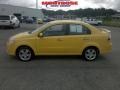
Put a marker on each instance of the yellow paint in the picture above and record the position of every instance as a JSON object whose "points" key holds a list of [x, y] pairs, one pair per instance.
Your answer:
{"points": [[61, 45]]}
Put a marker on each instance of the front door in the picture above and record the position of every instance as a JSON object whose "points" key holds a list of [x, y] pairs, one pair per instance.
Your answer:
{"points": [[52, 41]]}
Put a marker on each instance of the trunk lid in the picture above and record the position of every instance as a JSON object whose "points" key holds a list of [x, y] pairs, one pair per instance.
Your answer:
{"points": [[108, 32]]}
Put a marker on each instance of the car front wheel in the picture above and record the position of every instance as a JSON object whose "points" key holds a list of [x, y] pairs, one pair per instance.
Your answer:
{"points": [[24, 53], [90, 54]]}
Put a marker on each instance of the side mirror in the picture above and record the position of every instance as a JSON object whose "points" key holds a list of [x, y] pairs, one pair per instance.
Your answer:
{"points": [[40, 34]]}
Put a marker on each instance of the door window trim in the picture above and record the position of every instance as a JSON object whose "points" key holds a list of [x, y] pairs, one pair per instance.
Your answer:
{"points": [[66, 31], [83, 26]]}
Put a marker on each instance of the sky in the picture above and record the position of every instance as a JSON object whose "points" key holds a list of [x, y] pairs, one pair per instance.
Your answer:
{"points": [[113, 4]]}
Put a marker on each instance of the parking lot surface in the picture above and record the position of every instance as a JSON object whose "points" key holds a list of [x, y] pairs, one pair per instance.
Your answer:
{"points": [[59, 73]]}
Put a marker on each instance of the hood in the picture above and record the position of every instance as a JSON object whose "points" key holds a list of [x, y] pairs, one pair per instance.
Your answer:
{"points": [[21, 35]]}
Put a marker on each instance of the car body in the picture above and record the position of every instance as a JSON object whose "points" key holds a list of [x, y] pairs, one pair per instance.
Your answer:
{"points": [[9, 20], [40, 21], [48, 19], [61, 37], [30, 20], [93, 21]]}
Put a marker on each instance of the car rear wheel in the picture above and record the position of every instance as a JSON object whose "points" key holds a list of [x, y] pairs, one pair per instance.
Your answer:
{"points": [[24, 53], [90, 54]]}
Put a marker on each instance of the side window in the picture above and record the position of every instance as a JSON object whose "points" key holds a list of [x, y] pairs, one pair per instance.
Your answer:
{"points": [[57, 30], [86, 30], [12, 17], [76, 29]]}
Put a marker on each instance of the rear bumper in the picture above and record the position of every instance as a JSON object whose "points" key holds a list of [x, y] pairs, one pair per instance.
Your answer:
{"points": [[106, 49]]}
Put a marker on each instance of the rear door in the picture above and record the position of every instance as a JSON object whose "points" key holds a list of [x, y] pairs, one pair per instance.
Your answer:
{"points": [[76, 38]]}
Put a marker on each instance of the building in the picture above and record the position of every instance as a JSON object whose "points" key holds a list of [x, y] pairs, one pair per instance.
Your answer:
{"points": [[63, 17], [116, 16], [21, 12]]}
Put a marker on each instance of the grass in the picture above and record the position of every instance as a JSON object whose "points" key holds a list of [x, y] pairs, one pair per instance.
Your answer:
{"points": [[114, 23]]}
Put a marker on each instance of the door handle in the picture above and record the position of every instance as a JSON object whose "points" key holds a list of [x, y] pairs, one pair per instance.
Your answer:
{"points": [[59, 39], [86, 39]]}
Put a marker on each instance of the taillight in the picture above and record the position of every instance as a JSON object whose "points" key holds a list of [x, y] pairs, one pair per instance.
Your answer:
{"points": [[109, 36], [108, 32]]}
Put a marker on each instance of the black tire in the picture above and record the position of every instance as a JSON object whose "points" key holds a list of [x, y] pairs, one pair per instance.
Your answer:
{"points": [[18, 26], [13, 26], [90, 53], [24, 53]]}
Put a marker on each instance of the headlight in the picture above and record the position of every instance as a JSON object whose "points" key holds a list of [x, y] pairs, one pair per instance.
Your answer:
{"points": [[11, 40]]}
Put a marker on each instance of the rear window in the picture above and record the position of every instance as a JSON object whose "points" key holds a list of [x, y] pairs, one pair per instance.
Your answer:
{"points": [[4, 18]]}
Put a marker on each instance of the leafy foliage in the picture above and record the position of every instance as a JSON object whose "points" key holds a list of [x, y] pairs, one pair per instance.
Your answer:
{"points": [[89, 12]]}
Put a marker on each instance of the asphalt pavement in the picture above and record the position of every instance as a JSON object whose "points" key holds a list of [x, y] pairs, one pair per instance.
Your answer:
{"points": [[59, 72]]}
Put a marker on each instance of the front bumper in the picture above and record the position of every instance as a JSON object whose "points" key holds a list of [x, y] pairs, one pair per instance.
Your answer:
{"points": [[10, 48]]}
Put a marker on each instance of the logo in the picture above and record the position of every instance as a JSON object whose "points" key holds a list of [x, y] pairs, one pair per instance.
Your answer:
{"points": [[59, 3]]}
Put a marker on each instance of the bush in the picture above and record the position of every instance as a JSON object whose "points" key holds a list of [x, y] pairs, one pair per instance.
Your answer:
{"points": [[115, 23]]}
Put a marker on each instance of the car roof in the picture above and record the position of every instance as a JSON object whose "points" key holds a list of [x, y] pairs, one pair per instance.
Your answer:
{"points": [[66, 21]]}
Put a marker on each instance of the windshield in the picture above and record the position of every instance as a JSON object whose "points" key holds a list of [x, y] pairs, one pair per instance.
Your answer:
{"points": [[41, 27], [4, 18], [38, 29]]}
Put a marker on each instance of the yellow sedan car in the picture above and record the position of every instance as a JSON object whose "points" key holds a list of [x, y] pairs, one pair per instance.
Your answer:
{"points": [[61, 37]]}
